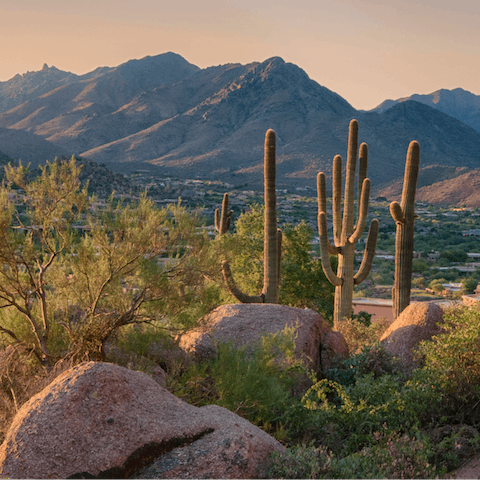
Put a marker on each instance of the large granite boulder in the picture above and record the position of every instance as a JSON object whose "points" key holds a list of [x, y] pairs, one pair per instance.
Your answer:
{"points": [[103, 420], [235, 447], [244, 324], [419, 321]]}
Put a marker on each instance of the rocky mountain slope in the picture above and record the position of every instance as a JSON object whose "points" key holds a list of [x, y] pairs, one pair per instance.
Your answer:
{"points": [[458, 103], [169, 116], [463, 190]]}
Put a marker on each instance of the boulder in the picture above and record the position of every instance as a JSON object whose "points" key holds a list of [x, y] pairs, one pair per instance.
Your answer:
{"points": [[235, 447], [244, 324], [100, 419], [419, 321]]}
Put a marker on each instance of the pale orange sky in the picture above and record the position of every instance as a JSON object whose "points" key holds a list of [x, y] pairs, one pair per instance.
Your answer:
{"points": [[367, 51]]}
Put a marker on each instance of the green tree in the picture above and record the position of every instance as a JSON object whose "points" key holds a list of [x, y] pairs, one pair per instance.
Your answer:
{"points": [[36, 221], [128, 263], [436, 284], [469, 284], [303, 283], [136, 263]]}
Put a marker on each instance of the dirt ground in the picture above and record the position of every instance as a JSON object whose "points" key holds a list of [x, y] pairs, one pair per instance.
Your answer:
{"points": [[470, 470]]}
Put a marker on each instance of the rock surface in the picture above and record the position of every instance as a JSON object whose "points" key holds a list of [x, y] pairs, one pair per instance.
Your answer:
{"points": [[235, 449], [243, 324], [416, 323], [102, 419]]}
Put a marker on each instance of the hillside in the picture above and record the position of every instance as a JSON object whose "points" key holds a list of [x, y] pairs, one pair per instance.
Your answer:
{"points": [[463, 190], [164, 114], [428, 175]]}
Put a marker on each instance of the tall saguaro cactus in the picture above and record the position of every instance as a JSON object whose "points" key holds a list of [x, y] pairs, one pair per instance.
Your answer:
{"points": [[404, 216], [272, 240], [345, 233], [223, 218]]}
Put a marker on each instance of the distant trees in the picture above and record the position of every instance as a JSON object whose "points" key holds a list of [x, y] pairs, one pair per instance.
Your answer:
{"points": [[456, 255]]}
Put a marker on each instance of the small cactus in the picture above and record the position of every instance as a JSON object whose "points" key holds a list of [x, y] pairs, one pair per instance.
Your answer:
{"points": [[404, 216], [345, 233], [223, 220], [273, 237]]}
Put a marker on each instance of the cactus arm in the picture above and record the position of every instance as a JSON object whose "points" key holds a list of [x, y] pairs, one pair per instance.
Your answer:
{"points": [[229, 220], [223, 220], [234, 290], [362, 167], [347, 225], [411, 176], [362, 172], [362, 212], [397, 213], [322, 192], [337, 200], [322, 207], [369, 253], [404, 216], [326, 265]]}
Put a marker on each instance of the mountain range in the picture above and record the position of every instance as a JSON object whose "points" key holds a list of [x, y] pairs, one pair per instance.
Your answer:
{"points": [[166, 115]]}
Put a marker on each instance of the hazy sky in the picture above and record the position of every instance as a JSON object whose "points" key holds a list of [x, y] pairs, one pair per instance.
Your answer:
{"points": [[365, 50]]}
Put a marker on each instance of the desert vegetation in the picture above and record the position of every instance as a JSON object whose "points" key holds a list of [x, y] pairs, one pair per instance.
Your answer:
{"points": [[108, 281]]}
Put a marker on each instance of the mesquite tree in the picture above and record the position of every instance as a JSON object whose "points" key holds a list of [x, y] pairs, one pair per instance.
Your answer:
{"points": [[345, 233], [273, 237], [404, 216]]}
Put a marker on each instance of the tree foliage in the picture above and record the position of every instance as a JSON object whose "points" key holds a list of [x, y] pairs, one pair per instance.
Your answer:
{"points": [[303, 283], [91, 271]]}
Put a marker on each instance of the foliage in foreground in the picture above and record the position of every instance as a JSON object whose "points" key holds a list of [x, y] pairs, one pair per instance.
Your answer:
{"points": [[74, 271]]}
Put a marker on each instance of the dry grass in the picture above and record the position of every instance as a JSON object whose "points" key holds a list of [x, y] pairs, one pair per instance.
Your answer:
{"points": [[21, 377]]}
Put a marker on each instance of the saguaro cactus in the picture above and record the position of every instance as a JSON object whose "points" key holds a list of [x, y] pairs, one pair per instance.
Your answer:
{"points": [[223, 219], [404, 216], [273, 237], [345, 233]]}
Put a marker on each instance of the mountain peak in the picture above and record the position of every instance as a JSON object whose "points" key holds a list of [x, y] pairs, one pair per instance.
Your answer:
{"points": [[458, 103], [45, 66]]}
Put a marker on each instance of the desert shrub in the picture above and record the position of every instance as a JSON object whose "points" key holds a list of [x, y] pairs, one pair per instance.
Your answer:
{"points": [[370, 405], [359, 334], [452, 364], [300, 461], [137, 338], [21, 377], [257, 381], [390, 456], [452, 444], [370, 359], [364, 318]]}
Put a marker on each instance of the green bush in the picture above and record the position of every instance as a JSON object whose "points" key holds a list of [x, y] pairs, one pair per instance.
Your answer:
{"points": [[257, 381], [390, 456], [369, 405], [371, 359], [452, 364]]}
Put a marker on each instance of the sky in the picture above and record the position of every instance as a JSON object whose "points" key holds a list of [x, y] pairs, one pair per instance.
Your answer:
{"points": [[367, 51]]}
